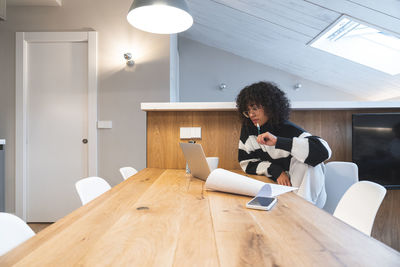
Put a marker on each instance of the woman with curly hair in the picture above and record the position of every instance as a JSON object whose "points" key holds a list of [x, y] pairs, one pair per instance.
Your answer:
{"points": [[273, 146]]}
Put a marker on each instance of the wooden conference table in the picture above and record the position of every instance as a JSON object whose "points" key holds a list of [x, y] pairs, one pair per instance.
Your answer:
{"points": [[166, 218]]}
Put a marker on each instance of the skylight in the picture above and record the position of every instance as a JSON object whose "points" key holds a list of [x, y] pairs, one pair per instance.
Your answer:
{"points": [[361, 43]]}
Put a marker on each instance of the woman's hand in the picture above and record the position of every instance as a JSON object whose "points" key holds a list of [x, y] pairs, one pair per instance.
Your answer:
{"points": [[283, 179], [267, 139]]}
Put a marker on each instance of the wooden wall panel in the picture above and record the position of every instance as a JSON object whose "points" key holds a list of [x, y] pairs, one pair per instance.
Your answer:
{"points": [[334, 126], [334, 129], [163, 150], [387, 221], [308, 120], [221, 130], [220, 136]]}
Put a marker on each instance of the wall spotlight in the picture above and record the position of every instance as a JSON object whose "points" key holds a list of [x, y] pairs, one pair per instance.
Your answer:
{"points": [[222, 87], [129, 61], [297, 86]]}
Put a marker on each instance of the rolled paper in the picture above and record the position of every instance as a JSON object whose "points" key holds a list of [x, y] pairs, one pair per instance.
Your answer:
{"points": [[230, 182]]}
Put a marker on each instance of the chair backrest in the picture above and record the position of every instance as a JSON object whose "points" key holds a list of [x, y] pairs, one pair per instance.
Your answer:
{"points": [[359, 205], [13, 231], [127, 172], [339, 176], [90, 188]]}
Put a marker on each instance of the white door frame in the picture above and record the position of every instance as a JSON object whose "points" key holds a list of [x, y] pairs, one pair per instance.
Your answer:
{"points": [[21, 99]]}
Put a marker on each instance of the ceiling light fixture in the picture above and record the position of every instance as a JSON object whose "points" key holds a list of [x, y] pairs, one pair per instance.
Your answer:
{"points": [[160, 16]]}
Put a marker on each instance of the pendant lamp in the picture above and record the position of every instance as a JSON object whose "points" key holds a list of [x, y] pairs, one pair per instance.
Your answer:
{"points": [[160, 16]]}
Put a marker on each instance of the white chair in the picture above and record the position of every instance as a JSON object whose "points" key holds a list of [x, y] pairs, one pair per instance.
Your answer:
{"points": [[13, 231], [359, 205], [90, 188], [127, 172], [339, 176]]}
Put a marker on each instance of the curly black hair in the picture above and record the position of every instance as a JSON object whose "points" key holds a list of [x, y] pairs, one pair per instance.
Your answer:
{"points": [[268, 95]]}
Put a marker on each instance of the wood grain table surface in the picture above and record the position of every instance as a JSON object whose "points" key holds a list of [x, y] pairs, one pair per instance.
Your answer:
{"points": [[164, 217]]}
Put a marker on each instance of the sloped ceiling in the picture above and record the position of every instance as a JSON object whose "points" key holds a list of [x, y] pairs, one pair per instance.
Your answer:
{"points": [[276, 33]]}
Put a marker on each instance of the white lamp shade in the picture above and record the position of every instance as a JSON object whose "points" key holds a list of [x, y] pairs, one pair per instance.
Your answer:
{"points": [[160, 16]]}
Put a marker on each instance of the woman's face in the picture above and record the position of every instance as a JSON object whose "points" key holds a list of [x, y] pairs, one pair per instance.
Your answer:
{"points": [[256, 114]]}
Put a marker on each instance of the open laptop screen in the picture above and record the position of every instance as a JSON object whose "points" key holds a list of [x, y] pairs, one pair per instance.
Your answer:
{"points": [[196, 160]]}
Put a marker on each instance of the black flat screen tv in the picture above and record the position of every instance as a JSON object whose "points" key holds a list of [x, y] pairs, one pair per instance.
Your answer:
{"points": [[376, 147]]}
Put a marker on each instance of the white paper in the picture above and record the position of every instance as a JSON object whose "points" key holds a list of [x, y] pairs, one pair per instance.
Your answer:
{"points": [[230, 182], [273, 190]]}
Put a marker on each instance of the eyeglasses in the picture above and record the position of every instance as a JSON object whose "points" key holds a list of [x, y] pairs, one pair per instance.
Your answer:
{"points": [[254, 109]]}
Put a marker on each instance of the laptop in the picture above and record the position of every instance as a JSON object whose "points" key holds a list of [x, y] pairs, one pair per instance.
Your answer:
{"points": [[196, 159]]}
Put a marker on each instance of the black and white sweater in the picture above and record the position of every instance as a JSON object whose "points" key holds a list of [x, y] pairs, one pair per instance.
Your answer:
{"points": [[292, 141]]}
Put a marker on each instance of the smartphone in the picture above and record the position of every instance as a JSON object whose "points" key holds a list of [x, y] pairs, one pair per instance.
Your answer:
{"points": [[261, 203]]}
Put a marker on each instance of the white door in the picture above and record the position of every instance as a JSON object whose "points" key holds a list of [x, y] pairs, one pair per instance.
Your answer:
{"points": [[57, 124]]}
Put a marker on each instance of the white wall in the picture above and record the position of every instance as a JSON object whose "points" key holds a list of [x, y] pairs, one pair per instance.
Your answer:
{"points": [[120, 89], [174, 68], [204, 68]]}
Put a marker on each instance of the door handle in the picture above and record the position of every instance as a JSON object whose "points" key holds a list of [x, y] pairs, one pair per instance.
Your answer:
{"points": [[84, 141]]}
